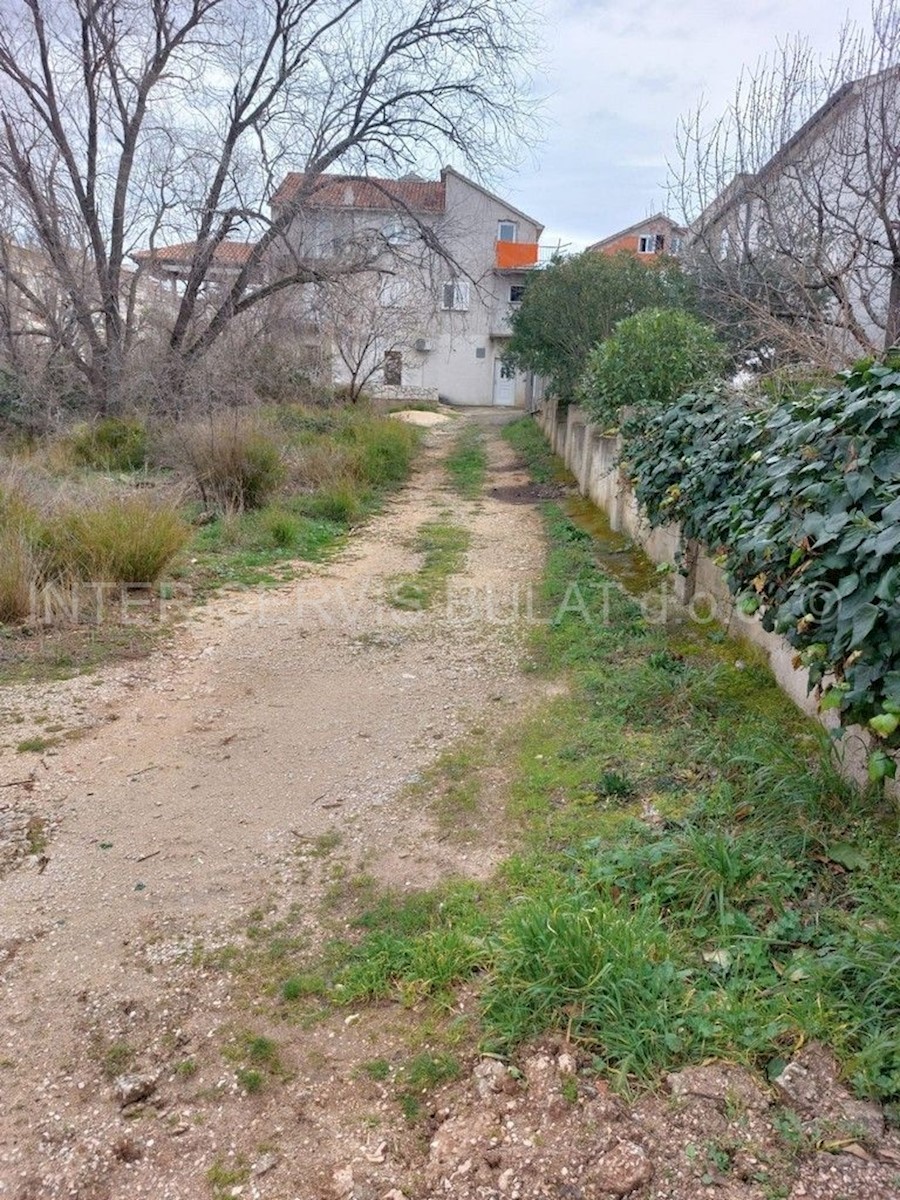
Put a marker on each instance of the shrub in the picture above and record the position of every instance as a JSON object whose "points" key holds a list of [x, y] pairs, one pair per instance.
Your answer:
{"points": [[236, 464], [385, 448], [576, 302], [651, 358], [129, 540], [111, 444], [19, 570]]}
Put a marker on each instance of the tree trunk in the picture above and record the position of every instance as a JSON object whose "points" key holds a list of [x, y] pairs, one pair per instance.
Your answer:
{"points": [[892, 330]]}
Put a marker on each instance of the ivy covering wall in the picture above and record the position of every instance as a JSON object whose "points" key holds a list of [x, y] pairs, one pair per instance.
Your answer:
{"points": [[800, 498]]}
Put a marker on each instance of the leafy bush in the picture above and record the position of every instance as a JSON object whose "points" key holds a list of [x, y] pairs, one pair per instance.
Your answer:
{"points": [[236, 461], [111, 444], [575, 303], [804, 500], [650, 359], [130, 540]]}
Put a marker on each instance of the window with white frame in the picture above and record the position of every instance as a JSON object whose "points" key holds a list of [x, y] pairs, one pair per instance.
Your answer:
{"points": [[507, 231], [649, 243], [455, 295], [676, 244], [516, 292]]}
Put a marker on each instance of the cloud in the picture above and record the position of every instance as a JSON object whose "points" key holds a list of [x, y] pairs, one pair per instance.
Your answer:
{"points": [[618, 77]]}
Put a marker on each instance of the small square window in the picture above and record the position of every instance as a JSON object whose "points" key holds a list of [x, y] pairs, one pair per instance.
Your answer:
{"points": [[480, 352], [507, 231], [516, 292], [648, 243]]}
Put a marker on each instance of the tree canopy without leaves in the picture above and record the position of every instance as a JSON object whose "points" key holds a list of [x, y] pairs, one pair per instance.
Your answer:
{"points": [[135, 123], [576, 302], [793, 196]]}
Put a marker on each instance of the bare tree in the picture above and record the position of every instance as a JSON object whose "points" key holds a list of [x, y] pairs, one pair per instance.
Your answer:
{"points": [[366, 317], [793, 198], [129, 123]]}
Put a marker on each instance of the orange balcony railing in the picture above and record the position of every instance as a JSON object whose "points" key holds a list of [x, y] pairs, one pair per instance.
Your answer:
{"points": [[516, 256]]}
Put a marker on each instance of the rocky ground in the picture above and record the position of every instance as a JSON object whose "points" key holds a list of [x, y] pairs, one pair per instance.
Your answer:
{"points": [[222, 806]]}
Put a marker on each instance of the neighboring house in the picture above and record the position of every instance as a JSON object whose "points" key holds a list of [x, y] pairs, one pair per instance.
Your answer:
{"points": [[810, 240], [450, 260], [172, 264], [654, 235]]}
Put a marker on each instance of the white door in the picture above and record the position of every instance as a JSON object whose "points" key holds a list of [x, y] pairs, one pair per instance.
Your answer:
{"points": [[504, 384]]}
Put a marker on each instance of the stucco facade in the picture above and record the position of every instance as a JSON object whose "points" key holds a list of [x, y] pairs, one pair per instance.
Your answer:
{"points": [[455, 258], [648, 238]]}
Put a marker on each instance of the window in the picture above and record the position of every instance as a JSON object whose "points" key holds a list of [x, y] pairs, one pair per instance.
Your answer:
{"points": [[516, 292], [676, 244], [650, 243], [393, 368], [507, 231], [394, 292], [480, 352], [396, 233], [455, 295]]}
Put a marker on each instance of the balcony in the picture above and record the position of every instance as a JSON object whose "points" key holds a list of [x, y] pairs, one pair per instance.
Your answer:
{"points": [[516, 256]]}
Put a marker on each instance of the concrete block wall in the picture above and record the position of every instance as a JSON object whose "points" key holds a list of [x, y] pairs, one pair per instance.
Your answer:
{"points": [[700, 585]]}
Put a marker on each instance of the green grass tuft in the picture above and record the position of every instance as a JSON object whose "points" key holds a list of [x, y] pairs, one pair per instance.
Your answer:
{"points": [[443, 546], [467, 463]]}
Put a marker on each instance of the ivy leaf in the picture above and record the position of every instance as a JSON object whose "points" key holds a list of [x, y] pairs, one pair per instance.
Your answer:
{"points": [[881, 766], [884, 724], [863, 623]]}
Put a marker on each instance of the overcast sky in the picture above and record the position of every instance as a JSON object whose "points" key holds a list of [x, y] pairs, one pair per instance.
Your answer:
{"points": [[618, 74]]}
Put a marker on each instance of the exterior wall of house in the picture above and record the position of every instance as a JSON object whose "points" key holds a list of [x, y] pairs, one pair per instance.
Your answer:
{"points": [[631, 240], [455, 353], [468, 344]]}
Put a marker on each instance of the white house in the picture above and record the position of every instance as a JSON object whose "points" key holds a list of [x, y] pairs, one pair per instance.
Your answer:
{"points": [[810, 238], [451, 260]]}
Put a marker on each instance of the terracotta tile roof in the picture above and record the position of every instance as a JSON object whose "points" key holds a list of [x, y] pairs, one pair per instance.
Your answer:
{"points": [[226, 254], [349, 191]]}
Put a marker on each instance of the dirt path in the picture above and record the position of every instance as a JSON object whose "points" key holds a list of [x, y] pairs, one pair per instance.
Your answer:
{"points": [[273, 730]]}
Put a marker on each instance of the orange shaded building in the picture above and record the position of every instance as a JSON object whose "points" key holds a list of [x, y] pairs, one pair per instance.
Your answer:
{"points": [[654, 235]]}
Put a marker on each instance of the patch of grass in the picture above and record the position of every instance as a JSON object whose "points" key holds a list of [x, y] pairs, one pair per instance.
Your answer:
{"points": [[257, 1060], [35, 745], [111, 444], [250, 1079], [526, 438], [467, 463], [298, 987], [226, 1174], [443, 546], [63, 653], [452, 786], [378, 1069], [429, 1070], [116, 1059], [36, 835], [253, 548], [421, 1075], [125, 540]]}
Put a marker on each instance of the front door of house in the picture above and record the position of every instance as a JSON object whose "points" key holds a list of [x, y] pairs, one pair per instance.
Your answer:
{"points": [[504, 384]]}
